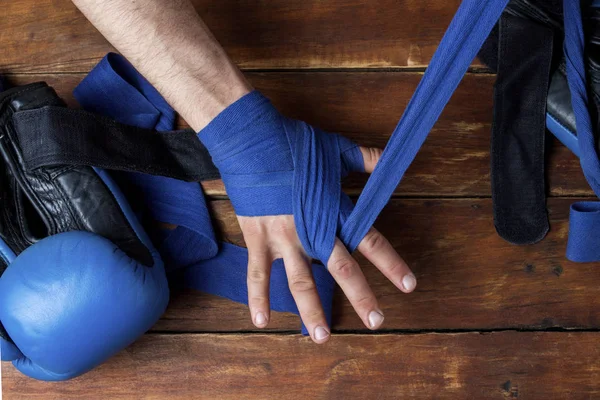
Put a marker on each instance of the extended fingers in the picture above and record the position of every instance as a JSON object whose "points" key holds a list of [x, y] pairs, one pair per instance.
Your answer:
{"points": [[272, 237], [379, 251], [304, 290], [347, 273], [259, 273], [300, 278], [259, 269]]}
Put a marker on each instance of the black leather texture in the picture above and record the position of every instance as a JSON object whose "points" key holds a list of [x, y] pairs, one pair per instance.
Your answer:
{"points": [[54, 199], [559, 96], [549, 13]]}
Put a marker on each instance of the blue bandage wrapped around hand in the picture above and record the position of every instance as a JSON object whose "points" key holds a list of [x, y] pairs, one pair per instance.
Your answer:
{"points": [[273, 165], [191, 251]]}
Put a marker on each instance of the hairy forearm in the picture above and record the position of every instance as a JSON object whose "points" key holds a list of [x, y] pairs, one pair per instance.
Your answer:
{"points": [[170, 45]]}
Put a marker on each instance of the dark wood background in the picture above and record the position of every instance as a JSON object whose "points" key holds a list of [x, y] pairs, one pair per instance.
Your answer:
{"points": [[488, 320]]}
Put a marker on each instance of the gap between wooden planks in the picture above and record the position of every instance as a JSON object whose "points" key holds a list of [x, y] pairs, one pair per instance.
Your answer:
{"points": [[53, 36], [460, 269], [469, 278], [430, 366]]}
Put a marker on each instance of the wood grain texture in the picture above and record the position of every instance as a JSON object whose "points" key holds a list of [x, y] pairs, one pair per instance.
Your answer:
{"points": [[505, 365], [440, 221], [469, 278], [366, 106], [53, 36]]}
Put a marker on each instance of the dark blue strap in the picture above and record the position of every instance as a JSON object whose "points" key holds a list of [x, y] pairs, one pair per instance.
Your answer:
{"points": [[115, 89], [584, 223]]}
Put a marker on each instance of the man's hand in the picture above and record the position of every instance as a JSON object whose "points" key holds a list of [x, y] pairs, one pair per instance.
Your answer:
{"points": [[272, 237], [170, 45]]}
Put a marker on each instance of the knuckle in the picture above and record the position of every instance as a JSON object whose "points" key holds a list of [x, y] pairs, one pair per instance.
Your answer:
{"points": [[251, 226], [257, 300], [315, 315], [301, 283], [365, 302], [343, 267], [256, 275], [283, 228], [373, 241], [280, 225], [393, 268]]}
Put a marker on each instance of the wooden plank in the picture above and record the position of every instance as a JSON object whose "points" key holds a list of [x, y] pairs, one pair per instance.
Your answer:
{"points": [[504, 365], [454, 162], [469, 278], [52, 36]]}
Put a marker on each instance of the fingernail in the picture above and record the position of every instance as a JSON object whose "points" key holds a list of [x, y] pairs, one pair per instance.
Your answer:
{"points": [[260, 319], [409, 282], [375, 319], [321, 333]]}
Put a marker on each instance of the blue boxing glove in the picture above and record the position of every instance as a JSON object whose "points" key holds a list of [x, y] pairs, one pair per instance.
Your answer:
{"points": [[80, 279], [72, 301]]}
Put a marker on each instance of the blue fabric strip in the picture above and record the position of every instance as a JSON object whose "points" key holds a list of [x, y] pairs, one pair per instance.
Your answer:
{"points": [[563, 134], [574, 47], [584, 227], [273, 165], [247, 138], [115, 89], [468, 30], [317, 160], [584, 223]]}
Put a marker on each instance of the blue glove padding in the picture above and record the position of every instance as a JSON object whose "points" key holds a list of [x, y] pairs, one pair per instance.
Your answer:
{"points": [[72, 300], [272, 165]]}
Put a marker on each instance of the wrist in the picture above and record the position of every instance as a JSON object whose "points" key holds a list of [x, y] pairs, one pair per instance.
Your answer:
{"points": [[210, 94], [248, 143]]}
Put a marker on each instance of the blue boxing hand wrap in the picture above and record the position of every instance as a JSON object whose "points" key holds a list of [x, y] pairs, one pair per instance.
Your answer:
{"points": [[272, 165]]}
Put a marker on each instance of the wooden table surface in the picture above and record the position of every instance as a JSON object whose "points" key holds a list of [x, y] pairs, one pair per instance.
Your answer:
{"points": [[488, 320]]}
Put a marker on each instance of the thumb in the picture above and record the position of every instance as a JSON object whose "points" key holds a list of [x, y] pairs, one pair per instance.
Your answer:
{"points": [[357, 158], [371, 156]]}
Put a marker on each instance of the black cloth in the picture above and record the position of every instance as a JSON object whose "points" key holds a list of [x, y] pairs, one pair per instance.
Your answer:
{"points": [[517, 151], [58, 136]]}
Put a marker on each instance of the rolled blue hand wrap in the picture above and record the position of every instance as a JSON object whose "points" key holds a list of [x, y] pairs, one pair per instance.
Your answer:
{"points": [[190, 251], [272, 165]]}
